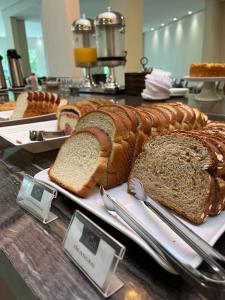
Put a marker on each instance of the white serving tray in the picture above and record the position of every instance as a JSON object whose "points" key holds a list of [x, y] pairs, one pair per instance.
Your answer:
{"points": [[18, 135], [7, 114], [210, 231]]}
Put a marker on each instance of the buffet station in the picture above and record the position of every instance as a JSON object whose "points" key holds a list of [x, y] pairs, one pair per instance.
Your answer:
{"points": [[112, 195]]}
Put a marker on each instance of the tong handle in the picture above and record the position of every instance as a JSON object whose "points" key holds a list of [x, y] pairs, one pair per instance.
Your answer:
{"points": [[193, 276], [188, 235], [140, 230]]}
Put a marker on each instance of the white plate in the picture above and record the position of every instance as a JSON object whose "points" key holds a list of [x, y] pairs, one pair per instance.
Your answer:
{"points": [[178, 92], [7, 114], [210, 231], [18, 135], [190, 78]]}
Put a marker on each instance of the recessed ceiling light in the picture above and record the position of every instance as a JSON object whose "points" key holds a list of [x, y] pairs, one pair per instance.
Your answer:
{"points": [[162, 24], [190, 12], [152, 29], [174, 19]]}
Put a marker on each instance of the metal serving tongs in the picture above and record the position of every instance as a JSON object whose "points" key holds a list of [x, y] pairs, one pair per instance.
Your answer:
{"points": [[42, 135], [213, 282]]}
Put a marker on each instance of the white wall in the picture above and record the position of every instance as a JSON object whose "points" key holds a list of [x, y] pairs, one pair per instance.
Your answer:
{"points": [[176, 46], [57, 17], [38, 45], [33, 43], [93, 9]]}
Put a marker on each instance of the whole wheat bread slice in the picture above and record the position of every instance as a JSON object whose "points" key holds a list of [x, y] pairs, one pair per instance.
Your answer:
{"points": [[175, 170]]}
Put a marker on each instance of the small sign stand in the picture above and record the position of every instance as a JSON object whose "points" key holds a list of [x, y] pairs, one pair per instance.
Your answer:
{"points": [[95, 253], [36, 197]]}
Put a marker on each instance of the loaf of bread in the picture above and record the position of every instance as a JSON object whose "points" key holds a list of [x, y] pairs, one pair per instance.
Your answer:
{"points": [[176, 170], [81, 161], [128, 129], [4, 106], [68, 115], [30, 104], [207, 70], [185, 171]]}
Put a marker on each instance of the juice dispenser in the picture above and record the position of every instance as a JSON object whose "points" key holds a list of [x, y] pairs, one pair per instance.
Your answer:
{"points": [[110, 39], [85, 53]]}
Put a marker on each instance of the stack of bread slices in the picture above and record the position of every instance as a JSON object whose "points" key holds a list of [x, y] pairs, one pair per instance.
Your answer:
{"points": [[69, 114], [30, 104], [126, 129], [185, 171]]}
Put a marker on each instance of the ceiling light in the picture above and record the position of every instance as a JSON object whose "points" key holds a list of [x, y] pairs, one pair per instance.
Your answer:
{"points": [[152, 29], [174, 19], [162, 24], [190, 12]]}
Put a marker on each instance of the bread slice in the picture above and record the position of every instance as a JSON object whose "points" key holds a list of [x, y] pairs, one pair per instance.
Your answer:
{"points": [[68, 115], [217, 147], [112, 124], [175, 170], [130, 121], [81, 161]]}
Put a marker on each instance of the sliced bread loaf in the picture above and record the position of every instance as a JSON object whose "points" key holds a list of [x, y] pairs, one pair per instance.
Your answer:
{"points": [[113, 125], [29, 104], [81, 161], [175, 170]]}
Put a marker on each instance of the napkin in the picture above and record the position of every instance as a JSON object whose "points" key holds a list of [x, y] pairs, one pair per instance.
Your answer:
{"points": [[157, 85]]}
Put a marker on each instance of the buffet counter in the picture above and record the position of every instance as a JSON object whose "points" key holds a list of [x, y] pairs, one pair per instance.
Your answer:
{"points": [[35, 250]]}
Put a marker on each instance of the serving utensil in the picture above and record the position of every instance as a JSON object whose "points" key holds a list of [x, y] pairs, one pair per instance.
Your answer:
{"points": [[206, 283], [188, 235], [4, 119], [42, 135]]}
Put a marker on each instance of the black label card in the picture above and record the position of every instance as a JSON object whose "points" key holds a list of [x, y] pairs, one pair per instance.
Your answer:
{"points": [[90, 240], [37, 192]]}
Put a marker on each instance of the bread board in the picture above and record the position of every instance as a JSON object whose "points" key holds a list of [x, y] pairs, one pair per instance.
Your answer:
{"points": [[18, 136], [5, 121], [210, 231]]}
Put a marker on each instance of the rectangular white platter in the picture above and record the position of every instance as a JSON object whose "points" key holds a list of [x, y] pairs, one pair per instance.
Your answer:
{"points": [[5, 115], [18, 135], [210, 231]]}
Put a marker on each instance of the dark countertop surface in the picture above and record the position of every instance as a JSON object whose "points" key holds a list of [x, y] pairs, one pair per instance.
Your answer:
{"points": [[35, 250]]}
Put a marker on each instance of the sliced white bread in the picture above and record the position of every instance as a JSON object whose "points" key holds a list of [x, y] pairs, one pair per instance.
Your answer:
{"points": [[82, 161], [29, 104], [114, 127]]}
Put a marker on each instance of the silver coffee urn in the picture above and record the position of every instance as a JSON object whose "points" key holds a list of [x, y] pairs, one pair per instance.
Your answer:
{"points": [[3, 85], [17, 79], [110, 40]]}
